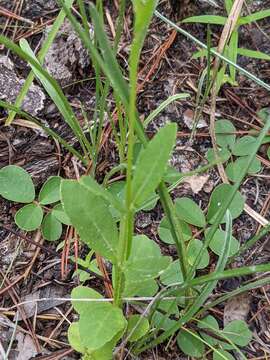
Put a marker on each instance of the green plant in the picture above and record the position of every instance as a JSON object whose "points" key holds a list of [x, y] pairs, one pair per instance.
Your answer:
{"points": [[103, 215], [234, 151], [16, 185], [232, 49]]}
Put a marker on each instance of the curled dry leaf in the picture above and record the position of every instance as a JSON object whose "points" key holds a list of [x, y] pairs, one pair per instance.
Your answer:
{"points": [[188, 120], [196, 182], [236, 308]]}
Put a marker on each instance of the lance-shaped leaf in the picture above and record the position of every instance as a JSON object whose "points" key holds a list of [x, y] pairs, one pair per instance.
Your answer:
{"points": [[91, 217], [152, 163]]}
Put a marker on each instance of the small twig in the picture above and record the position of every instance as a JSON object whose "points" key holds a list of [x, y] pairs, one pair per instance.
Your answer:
{"points": [[10, 14], [27, 239]]}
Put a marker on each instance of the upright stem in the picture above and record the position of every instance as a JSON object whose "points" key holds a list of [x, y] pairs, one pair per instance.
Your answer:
{"points": [[127, 221]]}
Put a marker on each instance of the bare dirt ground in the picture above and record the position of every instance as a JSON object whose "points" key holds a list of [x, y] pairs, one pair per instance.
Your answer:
{"points": [[28, 272]]}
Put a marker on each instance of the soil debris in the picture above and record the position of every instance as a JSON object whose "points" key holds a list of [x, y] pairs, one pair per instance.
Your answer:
{"points": [[66, 55], [11, 84]]}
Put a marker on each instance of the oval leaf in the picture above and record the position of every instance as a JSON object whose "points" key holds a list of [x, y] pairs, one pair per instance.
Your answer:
{"points": [[164, 231], [137, 327], [210, 323], [50, 191], [16, 184], [172, 274], [216, 244], [222, 355], [91, 217], [101, 321], [194, 247], [238, 332], [51, 228], [152, 164], [225, 133], [244, 145], [218, 197], [190, 212], [234, 169], [189, 344], [60, 214], [29, 217]]}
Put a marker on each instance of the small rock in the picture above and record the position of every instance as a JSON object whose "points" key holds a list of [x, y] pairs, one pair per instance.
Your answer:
{"points": [[66, 54], [143, 219], [11, 84]]}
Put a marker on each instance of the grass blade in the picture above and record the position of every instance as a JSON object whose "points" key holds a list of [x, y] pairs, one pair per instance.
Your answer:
{"points": [[41, 56]]}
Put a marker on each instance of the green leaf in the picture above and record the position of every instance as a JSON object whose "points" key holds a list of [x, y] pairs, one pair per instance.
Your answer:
{"points": [[189, 344], [238, 332], [101, 325], [190, 212], [206, 19], [29, 217], [218, 197], [137, 327], [100, 322], [53, 89], [225, 133], [232, 53], [216, 244], [50, 191], [224, 355], [74, 338], [98, 190], [268, 152], [253, 54], [193, 250], [16, 184], [60, 214], [145, 260], [144, 263], [235, 169], [91, 217], [209, 323], [51, 228], [244, 145], [172, 274], [164, 231], [143, 14], [161, 317], [152, 164], [140, 288], [228, 5], [259, 15], [46, 44], [223, 153]]}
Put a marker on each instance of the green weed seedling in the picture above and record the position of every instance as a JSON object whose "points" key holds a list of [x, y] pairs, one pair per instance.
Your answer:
{"points": [[16, 185], [171, 292], [232, 49]]}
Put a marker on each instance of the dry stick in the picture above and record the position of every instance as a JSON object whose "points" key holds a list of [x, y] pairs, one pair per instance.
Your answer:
{"points": [[12, 15], [38, 240], [225, 36], [15, 298]]}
